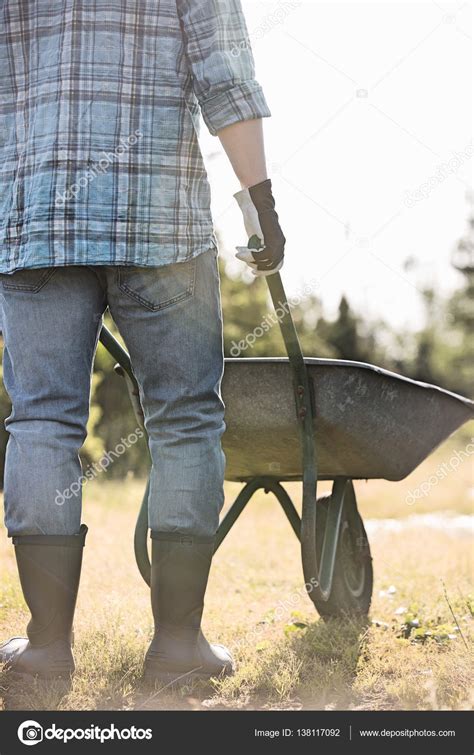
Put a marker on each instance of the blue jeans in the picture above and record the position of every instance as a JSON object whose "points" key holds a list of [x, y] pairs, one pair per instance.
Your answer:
{"points": [[170, 320]]}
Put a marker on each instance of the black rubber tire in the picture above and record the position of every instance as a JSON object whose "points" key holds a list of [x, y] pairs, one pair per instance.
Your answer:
{"points": [[352, 585]]}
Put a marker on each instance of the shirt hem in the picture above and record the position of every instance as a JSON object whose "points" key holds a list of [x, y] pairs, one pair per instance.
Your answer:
{"points": [[158, 257]]}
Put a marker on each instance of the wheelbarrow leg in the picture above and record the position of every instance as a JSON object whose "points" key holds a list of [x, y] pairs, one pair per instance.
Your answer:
{"points": [[286, 503], [269, 485], [236, 509]]}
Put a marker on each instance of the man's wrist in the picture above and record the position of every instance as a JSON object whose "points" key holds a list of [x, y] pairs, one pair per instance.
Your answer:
{"points": [[248, 181]]}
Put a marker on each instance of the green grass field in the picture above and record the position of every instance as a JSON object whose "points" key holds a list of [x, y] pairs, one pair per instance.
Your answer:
{"points": [[287, 657]]}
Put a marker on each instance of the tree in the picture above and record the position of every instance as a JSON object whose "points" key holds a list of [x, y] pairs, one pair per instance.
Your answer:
{"points": [[445, 346], [347, 336]]}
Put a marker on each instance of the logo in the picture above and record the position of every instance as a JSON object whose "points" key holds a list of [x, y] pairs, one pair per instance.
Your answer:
{"points": [[30, 732]]}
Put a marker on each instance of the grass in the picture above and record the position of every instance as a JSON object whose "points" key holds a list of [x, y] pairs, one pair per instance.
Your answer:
{"points": [[287, 657]]}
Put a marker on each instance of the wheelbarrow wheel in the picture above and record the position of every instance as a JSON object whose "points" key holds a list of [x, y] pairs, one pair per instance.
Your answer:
{"points": [[353, 575]]}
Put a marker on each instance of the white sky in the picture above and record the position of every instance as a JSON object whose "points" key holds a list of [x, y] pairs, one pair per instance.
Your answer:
{"points": [[342, 164]]}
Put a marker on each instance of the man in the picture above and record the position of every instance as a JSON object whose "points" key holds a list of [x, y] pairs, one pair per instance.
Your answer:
{"points": [[105, 203]]}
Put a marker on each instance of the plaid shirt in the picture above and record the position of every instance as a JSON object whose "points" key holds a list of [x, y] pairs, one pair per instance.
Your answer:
{"points": [[99, 103]]}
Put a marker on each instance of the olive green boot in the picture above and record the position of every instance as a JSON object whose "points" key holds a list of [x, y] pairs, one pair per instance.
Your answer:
{"points": [[179, 573], [49, 569]]}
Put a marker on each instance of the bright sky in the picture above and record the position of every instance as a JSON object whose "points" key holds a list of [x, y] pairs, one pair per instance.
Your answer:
{"points": [[370, 101]]}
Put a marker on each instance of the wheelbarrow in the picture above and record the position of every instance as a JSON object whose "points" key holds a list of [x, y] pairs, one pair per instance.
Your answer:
{"points": [[316, 419]]}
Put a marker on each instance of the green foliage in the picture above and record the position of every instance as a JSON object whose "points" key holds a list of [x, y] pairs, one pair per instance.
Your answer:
{"points": [[251, 326], [444, 348], [422, 629]]}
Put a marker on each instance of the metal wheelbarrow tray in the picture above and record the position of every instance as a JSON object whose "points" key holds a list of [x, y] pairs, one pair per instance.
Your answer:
{"points": [[309, 420], [367, 422]]}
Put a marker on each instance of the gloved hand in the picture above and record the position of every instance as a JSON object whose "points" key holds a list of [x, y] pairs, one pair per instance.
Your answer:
{"points": [[265, 250]]}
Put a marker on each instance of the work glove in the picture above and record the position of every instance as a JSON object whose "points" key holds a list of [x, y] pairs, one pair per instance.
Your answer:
{"points": [[265, 250]]}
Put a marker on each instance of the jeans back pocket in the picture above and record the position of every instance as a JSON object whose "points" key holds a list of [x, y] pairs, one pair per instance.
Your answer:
{"points": [[158, 287], [28, 280]]}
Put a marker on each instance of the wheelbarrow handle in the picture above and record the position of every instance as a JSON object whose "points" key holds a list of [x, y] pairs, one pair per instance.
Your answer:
{"points": [[124, 369], [116, 350], [295, 356], [287, 326], [305, 414]]}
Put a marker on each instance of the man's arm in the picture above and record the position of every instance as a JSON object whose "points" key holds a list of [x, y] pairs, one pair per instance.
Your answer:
{"points": [[244, 145], [232, 104]]}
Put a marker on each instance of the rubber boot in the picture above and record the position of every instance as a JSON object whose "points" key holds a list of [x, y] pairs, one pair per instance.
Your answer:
{"points": [[49, 569], [179, 573]]}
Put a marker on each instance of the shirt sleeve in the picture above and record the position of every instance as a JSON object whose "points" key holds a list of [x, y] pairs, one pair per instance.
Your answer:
{"points": [[221, 62]]}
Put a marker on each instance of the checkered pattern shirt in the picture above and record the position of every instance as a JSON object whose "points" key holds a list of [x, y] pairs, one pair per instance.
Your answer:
{"points": [[99, 118]]}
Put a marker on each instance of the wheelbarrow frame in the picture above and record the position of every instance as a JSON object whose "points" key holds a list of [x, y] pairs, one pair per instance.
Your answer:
{"points": [[318, 573]]}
